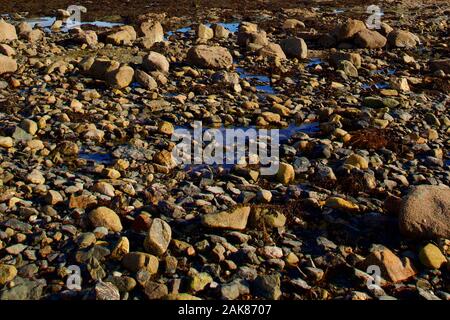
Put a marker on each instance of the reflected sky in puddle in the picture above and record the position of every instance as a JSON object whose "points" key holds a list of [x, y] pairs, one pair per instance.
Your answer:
{"points": [[231, 26], [314, 62], [379, 85], [105, 158], [262, 81], [384, 71], [47, 22], [284, 133]]}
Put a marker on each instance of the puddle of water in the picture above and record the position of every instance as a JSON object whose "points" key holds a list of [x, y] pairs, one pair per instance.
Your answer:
{"points": [[384, 71], [379, 85], [47, 22], [337, 11], [382, 85], [105, 158], [262, 82], [314, 62], [181, 30], [284, 135], [230, 26]]}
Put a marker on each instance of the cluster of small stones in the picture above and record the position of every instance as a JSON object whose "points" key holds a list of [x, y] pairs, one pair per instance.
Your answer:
{"points": [[87, 177]]}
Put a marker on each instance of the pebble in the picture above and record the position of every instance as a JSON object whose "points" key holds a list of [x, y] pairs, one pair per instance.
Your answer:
{"points": [[431, 256], [7, 273], [267, 286], [392, 267], [105, 217], [158, 237], [135, 261], [235, 219]]}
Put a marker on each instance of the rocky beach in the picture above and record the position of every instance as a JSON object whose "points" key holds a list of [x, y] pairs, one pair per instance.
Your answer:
{"points": [[94, 205]]}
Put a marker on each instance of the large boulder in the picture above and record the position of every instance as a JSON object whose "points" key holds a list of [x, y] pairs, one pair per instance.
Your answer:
{"points": [[348, 29], [204, 56], [369, 39], [402, 39], [425, 212], [248, 33], [7, 64], [7, 31], [272, 50], [151, 29], [152, 32], [124, 35], [295, 48], [145, 80], [100, 67], [204, 32], [88, 37], [156, 62], [120, 78]]}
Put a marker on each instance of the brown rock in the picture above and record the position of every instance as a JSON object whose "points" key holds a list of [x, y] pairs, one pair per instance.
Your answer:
{"points": [[120, 78], [152, 31], [204, 32], [220, 31], [402, 39], [392, 267], [272, 50], [425, 212], [135, 261], [155, 291], [158, 237], [354, 58], [105, 217], [124, 35], [348, 29], [7, 31], [88, 37], [98, 68], [164, 158], [145, 80], [210, 57], [7, 50], [295, 48], [156, 62], [293, 24], [369, 39], [34, 35], [81, 201], [235, 220], [7, 64]]}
